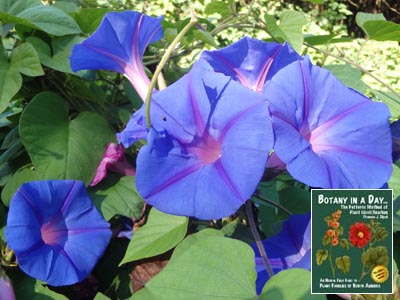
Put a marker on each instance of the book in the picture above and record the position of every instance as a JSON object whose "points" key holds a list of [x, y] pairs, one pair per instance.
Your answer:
{"points": [[351, 241]]}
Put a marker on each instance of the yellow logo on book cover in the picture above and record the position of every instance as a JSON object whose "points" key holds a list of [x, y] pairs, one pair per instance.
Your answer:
{"points": [[380, 274]]}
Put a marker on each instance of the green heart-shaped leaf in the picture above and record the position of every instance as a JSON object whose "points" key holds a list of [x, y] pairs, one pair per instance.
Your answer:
{"points": [[61, 148]]}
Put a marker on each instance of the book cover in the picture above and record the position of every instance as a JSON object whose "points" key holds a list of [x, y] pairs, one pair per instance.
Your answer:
{"points": [[352, 241]]}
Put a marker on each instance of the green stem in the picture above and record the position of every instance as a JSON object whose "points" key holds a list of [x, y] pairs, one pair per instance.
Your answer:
{"points": [[277, 205], [363, 273], [163, 61], [331, 262], [254, 231]]}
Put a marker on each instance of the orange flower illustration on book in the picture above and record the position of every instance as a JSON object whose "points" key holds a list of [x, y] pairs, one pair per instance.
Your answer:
{"points": [[360, 235]]}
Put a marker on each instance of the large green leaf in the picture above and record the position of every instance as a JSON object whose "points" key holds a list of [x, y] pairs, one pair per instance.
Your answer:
{"points": [[25, 60], [23, 175], [208, 267], [119, 199], [194, 238], [56, 58], [362, 17], [61, 148], [10, 83], [382, 30], [376, 27], [33, 14], [349, 75], [293, 284], [290, 27], [89, 19], [42, 49], [14, 7], [66, 5], [62, 48], [161, 233], [51, 20]]}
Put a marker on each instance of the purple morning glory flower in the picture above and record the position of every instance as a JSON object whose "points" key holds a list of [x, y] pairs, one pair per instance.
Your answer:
{"points": [[207, 149], [291, 248], [329, 135], [55, 231], [395, 130], [114, 160], [250, 61], [118, 45], [6, 288]]}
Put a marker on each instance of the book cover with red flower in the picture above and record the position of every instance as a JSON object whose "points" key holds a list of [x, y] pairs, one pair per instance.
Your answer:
{"points": [[351, 241]]}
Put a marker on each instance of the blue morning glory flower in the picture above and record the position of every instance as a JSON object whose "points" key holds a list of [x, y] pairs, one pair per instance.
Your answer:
{"points": [[291, 248], [118, 45], [55, 231], [329, 135], [207, 148], [250, 61]]}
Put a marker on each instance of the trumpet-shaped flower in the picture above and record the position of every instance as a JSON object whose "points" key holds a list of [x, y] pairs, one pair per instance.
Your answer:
{"points": [[329, 136], [207, 149], [55, 231], [118, 45], [250, 61], [113, 160], [291, 248]]}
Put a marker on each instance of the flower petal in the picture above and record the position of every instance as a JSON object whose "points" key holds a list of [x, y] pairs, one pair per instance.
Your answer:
{"points": [[45, 264], [180, 184], [118, 45], [250, 61], [135, 130], [329, 136]]}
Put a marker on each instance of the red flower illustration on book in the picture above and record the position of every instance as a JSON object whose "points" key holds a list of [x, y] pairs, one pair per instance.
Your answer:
{"points": [[359, 234]]}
